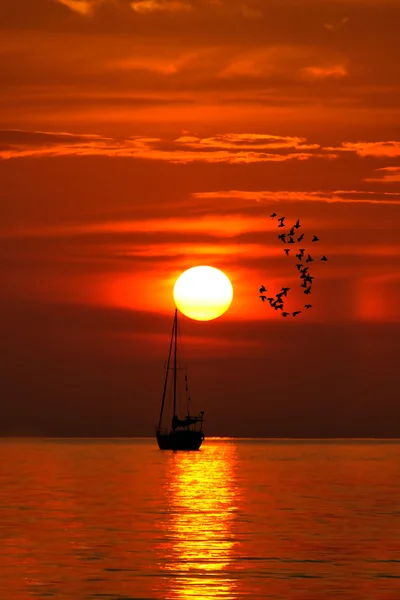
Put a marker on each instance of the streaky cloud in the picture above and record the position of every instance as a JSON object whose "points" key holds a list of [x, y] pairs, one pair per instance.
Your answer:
{"points": [[229, 148], [386, 175], [377, 149], [82, 7], [340, 196], [150, 6]]}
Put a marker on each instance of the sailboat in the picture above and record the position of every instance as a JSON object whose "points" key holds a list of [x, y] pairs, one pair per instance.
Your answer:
{"points": [[186, 433]]}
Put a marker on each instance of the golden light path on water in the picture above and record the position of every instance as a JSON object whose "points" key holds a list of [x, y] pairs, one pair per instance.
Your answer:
{"points": [[202, 499]]}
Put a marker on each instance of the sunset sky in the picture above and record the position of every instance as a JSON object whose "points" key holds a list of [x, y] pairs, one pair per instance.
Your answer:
{"points": [[141, 138]]}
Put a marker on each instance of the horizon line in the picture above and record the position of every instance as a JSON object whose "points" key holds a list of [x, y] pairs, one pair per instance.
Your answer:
{"points": [[213, 438]]}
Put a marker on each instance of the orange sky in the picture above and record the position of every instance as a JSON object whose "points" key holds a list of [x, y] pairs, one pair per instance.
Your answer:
{"points": [[140, 138]]}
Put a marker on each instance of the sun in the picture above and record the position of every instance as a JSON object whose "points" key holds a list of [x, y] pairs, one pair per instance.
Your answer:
{"points": [[203, 293]]}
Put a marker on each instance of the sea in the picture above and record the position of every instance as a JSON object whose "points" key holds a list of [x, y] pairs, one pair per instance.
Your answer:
{"points": [[118, 519]]}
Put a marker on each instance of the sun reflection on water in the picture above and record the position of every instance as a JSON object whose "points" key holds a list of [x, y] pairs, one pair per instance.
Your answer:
{"points": [[198, 543]]}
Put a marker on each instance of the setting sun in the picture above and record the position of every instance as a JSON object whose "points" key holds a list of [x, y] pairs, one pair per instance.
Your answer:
{"points": [[203, 293]]}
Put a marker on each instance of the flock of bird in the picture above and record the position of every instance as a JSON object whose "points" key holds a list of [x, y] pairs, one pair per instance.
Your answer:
{"points": [[303, 261]]}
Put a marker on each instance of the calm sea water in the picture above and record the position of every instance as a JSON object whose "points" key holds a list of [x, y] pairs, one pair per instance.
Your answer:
{"points": [[119, 519]]}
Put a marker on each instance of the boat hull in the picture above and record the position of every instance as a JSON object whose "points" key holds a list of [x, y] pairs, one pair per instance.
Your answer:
{"points": [[180, 440]]}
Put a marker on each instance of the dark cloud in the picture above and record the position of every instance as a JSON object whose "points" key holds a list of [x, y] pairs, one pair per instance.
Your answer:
{"points": [[15, 137]]}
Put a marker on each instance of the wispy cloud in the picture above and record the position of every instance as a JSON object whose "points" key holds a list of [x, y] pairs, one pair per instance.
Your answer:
{"points": [[284, 62], [237, 148], [386, 175], [339, 196], [225, 148], [333, 71], [246, 141], [150, 6], [164, 65], [83, 7], [18, 144], [230, 148], [263, 61], [389, 148]]}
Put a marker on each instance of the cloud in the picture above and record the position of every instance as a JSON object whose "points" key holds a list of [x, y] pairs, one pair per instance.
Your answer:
{"points": [[377, 149], [334, 71], [164, 65], [386, 175], [339, 196], [284, 62], [229, 148], [150, 6], [86, 7], [238, 148], [18, 144], [264, 61], [242, 141], [83, 7]]}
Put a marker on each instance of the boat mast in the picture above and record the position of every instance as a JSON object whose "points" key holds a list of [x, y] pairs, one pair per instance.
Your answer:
{"points": [[166, 374], [176, 341]]}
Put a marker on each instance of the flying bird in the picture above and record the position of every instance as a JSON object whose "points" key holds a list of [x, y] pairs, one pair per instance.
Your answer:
{"points": [[281, 219], [277, 302]]}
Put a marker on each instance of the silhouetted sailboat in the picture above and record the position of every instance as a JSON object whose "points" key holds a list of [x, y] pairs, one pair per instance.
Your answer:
{"points": [[186, 433]]}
